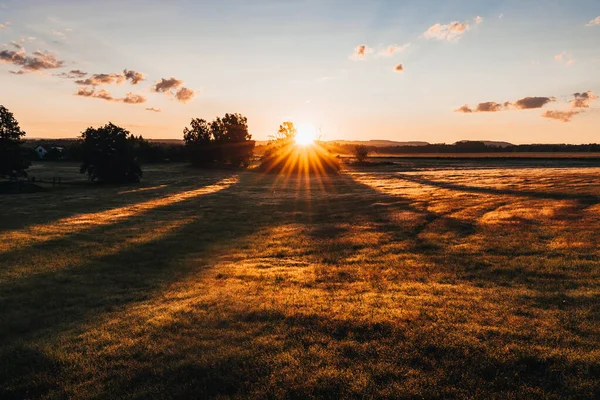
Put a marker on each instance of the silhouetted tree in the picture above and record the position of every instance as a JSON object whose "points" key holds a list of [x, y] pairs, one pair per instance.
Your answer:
{"points": [[361, 152], [13, 157], [108, 154], [224, 141]]}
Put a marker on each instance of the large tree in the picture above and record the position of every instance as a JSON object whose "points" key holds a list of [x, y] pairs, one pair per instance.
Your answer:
{"points": [[108, 154], [13, 158], [224, 141]]}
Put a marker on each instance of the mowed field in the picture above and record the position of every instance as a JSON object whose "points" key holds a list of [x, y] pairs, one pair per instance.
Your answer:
{"points": [[382, 282]]}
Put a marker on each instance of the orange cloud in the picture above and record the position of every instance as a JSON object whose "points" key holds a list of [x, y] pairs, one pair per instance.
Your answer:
{"points": [[184, 95], [464, 109], [582, 100], [153, 109], [564, 116], [399, 68], [527, 103], [129, 98], [360, 52], [489, 106], [166, 85], [133, 76], [37, 62], [102, 79]]}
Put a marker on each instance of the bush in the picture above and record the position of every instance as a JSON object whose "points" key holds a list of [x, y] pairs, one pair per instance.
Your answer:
{"points": [[361, 152], [108, 155]]}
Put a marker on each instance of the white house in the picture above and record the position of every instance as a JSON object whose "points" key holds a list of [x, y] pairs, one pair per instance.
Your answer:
{"points": [[41, 151]]}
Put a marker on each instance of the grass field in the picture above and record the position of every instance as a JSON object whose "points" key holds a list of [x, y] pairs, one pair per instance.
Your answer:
{"points": [[383, 282]]}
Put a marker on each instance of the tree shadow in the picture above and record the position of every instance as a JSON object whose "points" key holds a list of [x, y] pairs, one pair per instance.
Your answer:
{"points": [[582, 198], [331, 214], [63, 202]]}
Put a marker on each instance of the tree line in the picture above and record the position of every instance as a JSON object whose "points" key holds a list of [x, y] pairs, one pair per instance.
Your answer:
{"points": [[467, 147], [111, 153]]}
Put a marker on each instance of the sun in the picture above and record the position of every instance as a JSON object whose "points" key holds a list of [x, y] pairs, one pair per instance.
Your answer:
{"points": [[306, 135]]}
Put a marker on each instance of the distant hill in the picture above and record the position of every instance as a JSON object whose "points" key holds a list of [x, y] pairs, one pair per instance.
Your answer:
{"points": [[378, 143]]}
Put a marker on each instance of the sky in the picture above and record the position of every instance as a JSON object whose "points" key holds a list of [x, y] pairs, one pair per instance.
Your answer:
{"points": [[522, 71]]}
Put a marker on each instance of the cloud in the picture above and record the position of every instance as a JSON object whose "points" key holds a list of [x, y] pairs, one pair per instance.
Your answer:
{"points": [[564, 116], [85, 92], [36, 62], [133, 76], [393, 49], [360, 52], [184, 95], [464, 109], [5, 25], [478, 20], [399, 68], [582, 100], [594, 22], [17, 45], [166, 85], [528, 103], [489, 106], [564, 57], [102, 79], [452, 31], [73, 74], [131, 98], [153, 109], [104, 95]]}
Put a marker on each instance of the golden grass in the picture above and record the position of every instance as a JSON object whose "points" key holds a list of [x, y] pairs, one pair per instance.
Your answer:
{"points": [[371, 284]]}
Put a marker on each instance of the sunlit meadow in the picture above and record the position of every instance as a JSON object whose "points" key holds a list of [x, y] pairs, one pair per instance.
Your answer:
{"points": [[390, 281]]}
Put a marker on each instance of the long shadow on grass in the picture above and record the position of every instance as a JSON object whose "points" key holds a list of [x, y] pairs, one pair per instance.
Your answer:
{"points": [[48, 207], [41, 303], [582, 198], [50, 303]]}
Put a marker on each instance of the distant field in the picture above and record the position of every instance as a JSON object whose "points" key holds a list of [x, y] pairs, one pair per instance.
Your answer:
{"points": [[421, 279], [546, 155]]}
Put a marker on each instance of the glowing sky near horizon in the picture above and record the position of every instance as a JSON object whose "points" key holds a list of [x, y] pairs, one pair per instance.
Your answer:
{"points": [[436, 71]]}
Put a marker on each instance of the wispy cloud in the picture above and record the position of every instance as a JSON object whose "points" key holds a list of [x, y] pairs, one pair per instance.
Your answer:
{"points": [[153, 109], [478, 20], [579, 102], [526, 103], [73, 74], [564, 116], [38, 61], [102, 79], [129, 98], [449, 32], [594, 22], [394, 49], [564, 57]]}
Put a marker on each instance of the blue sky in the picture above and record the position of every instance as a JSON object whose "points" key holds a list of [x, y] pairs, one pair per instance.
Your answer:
{"points": [[279, 60]]}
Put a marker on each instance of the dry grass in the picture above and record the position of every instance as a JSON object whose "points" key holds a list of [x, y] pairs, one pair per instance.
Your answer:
{"points": [[372, 284]]}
